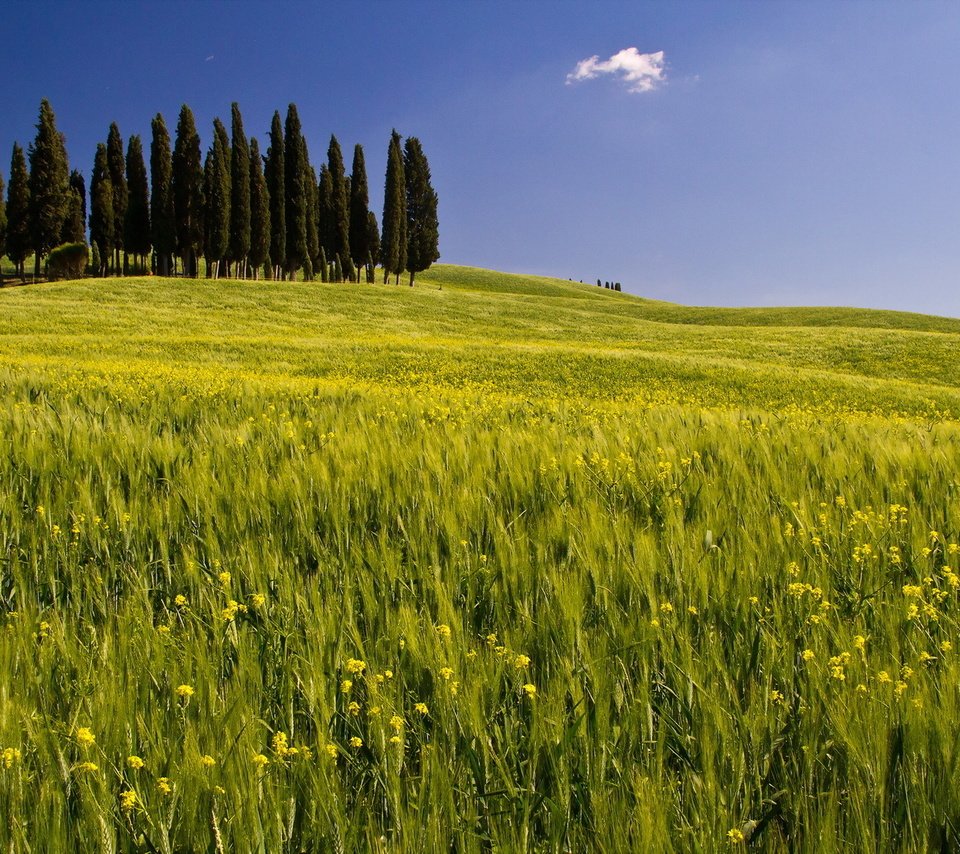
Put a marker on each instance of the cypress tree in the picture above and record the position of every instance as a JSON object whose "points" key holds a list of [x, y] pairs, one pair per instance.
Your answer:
{"points": [[3, 227], [101, 208], [162, 225], [325, 221], [136, 223], [73, 230], [313, 243], [118, 179], [259, 211], [324, 268], [423, 234], [359, 208], [239, 192], [373, 244], [187, 183], [49, 175], [219, 129], [217, 199], [340, 207], [18, 211], [78, 183], [393, 237], [297, 196], [275, 175]]}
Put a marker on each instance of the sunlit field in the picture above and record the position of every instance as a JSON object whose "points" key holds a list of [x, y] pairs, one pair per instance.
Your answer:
{"points": [[495, 563]]}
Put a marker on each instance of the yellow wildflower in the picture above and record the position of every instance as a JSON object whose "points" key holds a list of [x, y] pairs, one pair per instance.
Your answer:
{"points": [[135, 762], [356, 741], [421, 708], [207, 761], [185, 692], [85, 738], [530, 690], [128, 800]]}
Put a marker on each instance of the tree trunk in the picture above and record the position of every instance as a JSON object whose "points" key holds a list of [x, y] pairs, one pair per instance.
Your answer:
{"points": [[36, 266], [411, 278]]}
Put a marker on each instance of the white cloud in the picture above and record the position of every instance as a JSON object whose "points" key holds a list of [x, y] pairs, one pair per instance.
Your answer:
{"points": [[642, 72]]}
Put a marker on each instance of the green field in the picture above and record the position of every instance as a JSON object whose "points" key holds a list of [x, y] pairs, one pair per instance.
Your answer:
{"points": [[495, 563]]}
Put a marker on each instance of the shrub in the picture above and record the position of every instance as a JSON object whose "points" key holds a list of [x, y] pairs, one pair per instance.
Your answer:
{"points": [[67, 261]]}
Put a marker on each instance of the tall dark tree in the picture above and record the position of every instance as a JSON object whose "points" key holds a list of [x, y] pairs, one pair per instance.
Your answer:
{"points": [[359, 204], [118, 178], [423, 230], [297, 195], [259, 211], [136, 223], [101, 208], [239, 192], [73, 230], [275, 175], [313, 242], [393, 236], [18, 211], [340, 205], [3, 226], [373, 244], [79, 184], [162, 225], [216, 196], [325, 221], [49, 175], [187, 182]]}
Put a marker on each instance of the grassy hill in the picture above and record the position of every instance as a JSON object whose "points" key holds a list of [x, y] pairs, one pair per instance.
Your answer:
{"points": [[496, 563], [512, 335]]}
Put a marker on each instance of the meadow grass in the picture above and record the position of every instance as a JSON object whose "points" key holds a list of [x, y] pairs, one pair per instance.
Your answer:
{"points": [[503, 565]]}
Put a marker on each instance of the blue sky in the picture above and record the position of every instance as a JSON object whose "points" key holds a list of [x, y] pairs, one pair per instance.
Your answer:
{"points": [[791, 153]]}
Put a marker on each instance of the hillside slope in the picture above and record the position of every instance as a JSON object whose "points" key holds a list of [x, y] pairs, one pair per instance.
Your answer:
{"points": [[513, 335]]}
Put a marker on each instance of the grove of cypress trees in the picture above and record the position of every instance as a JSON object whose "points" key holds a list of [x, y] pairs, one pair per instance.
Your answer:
{"points": [[18, 211], [393, 236], [373, 245], [118, 179], [423, 234], [297, 196], [340, 207], [239, 193], [49, 176], [187, 182], [162, 225], [136, 222], [101, 208], [359, 202], [259, 212], [217, 199], [275, 175]]}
